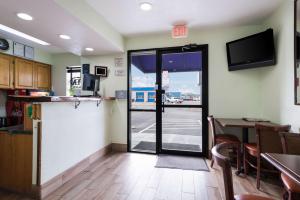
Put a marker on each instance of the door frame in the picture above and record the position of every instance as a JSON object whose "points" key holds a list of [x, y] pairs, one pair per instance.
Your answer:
{"points": [[204, 106]]}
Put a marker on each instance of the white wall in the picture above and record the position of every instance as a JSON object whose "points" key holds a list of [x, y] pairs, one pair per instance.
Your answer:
{"points": [[60, 63], [278, 82], [118, 120], [70, 135]]}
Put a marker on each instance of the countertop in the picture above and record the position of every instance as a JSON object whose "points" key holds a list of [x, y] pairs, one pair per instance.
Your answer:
{"points": [[53, 98], [19, 129]]}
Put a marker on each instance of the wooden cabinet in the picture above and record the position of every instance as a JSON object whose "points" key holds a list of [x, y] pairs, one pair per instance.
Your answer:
{"points": [[18, 73], [24, 74], [42, 76], [5, 161], [6, 71], [16, 162]]}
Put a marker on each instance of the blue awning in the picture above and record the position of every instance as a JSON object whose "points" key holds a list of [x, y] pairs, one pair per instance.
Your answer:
{"points": [[143, 89], [172, 62]]}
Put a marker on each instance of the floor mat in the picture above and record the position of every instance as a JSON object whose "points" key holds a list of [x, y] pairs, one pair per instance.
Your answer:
{"points": [[151, 146], [181, 162]]}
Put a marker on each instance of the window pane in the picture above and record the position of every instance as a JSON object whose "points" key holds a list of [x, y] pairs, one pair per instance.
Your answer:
{"points": [[143, 79], [143, 131], [182, 78], [182, 129]]}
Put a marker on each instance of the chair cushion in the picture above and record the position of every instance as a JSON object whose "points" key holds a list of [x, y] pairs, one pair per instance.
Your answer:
{"points": [[251, 148], [250, 197], [220, 138], [290, 184]]}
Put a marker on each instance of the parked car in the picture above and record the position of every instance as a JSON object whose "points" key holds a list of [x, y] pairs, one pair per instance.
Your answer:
{"points": [[173, 100]]}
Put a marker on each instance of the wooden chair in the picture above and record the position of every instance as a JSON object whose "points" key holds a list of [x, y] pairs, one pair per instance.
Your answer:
{"points": [[225, 138], [268, 141], [224, 163], [290, 145]]}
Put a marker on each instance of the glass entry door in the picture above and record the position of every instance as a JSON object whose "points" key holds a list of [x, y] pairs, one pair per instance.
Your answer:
{"points": [[168, 100], [142, 101], [183, 104]]}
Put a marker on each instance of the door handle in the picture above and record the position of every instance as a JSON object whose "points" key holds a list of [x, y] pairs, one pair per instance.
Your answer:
{"points": [[163, 101]]}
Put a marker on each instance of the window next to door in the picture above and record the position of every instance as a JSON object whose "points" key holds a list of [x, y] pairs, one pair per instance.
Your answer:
{"points": [[73, 80]]}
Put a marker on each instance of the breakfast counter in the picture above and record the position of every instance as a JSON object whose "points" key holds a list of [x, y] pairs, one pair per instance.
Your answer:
{"points": [[36, 99], [68, 130], [58, 133]]}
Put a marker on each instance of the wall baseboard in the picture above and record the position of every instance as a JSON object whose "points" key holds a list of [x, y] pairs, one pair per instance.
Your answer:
{"points": [[50, 186], [117, 147]]}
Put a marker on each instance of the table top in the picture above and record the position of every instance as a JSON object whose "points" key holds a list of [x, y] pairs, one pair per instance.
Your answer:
{"points": [[287, 164], [228, 122]]}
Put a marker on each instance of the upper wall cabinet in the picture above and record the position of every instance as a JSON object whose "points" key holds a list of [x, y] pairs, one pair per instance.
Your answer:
{"points": [[42, 76], [18, 73], [6, 72], [24, 74]]}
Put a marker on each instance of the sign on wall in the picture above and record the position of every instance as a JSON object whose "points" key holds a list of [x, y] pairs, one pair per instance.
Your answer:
{"points": [[120, 72], [119, 62]]}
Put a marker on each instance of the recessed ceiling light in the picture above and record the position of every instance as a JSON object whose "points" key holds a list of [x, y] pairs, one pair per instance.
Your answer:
{"points": [[146, 6], [24, 16], [89, 49], [23, 35], [65, 37]]}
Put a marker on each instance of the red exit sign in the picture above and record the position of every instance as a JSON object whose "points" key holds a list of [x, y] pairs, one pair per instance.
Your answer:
{"points": [[179, 31]]}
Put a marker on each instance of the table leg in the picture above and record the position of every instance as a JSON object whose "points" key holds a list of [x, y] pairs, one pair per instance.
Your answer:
{"points": [[245, 135], [245, 140]]}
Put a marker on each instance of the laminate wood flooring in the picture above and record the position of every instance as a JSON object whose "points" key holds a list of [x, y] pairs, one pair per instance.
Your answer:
{"points": [[130, 176]]}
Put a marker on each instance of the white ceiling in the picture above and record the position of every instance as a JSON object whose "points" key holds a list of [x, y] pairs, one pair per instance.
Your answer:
{"points": [[50, 20], [128, 19], [125, 16]]}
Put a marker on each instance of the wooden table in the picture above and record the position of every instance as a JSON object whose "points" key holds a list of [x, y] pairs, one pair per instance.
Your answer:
{"points": [[240, 123], [287, 164]]}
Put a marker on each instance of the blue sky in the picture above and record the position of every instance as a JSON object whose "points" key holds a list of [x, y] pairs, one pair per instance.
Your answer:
{"points": [[184, 82]]}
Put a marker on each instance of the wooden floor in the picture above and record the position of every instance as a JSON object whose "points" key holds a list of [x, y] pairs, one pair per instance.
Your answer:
{"points": [[131, 176]]}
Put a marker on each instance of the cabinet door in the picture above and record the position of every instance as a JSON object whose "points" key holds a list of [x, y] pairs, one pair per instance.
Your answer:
{"points": [[42, 76], [22, 162], [6, 71], [6, 180], [24, 74]]}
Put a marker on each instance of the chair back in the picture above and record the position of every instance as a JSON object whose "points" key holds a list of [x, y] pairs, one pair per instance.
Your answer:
{"points": [[224, 163], [211, 122], [268, 139], [290, 143]]}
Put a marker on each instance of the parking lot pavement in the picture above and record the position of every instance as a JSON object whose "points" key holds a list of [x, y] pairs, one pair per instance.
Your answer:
{"points": [[181, 121], [180, 125]]}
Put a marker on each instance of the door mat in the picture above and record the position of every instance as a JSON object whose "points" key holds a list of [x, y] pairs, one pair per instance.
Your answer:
{"points": [[181, 162], [151, 146]]}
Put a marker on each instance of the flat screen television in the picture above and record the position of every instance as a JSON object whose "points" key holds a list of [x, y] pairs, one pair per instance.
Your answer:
{"points": [[91, 83], [253, 51], [298, 46]]}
